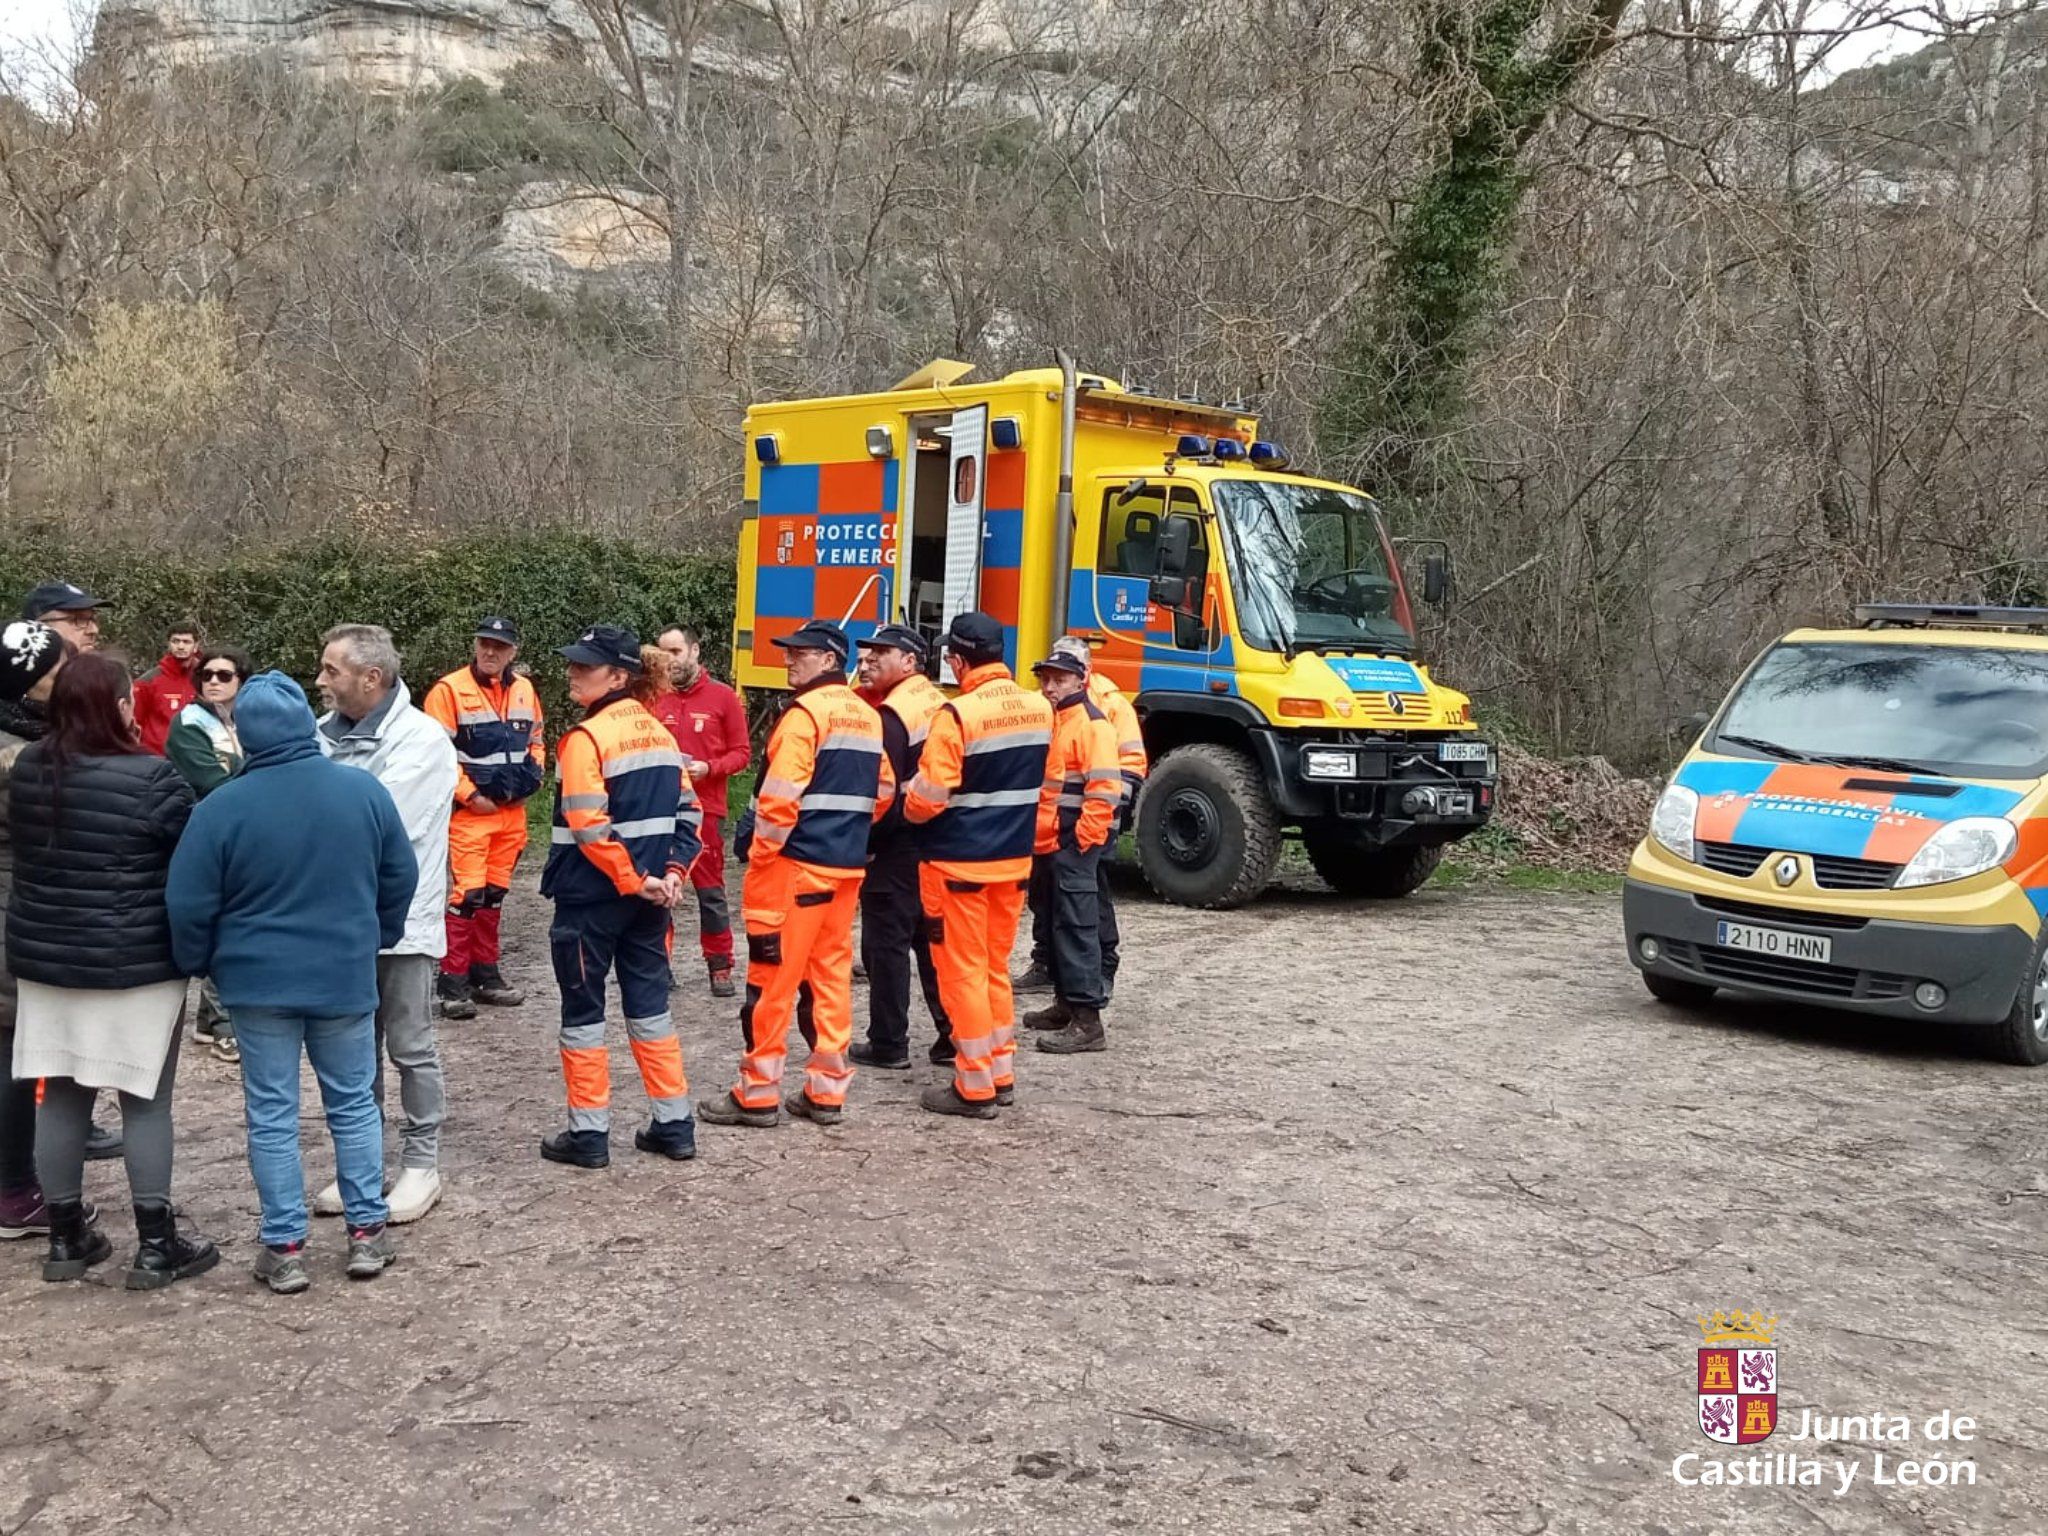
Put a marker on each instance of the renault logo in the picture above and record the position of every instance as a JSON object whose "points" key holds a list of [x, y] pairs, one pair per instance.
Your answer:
{"points": [[1394, 703], [1786, 870]]}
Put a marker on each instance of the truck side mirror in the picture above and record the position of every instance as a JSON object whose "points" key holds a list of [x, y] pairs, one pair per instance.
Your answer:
{"points": [[1436, 580], [1176, 546]]}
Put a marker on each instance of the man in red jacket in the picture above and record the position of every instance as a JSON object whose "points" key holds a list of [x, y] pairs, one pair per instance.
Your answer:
{"points": [[159, 695], [713, 738]]}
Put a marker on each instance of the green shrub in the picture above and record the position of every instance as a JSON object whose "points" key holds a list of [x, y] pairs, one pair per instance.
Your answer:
{"points": [[275, 603]]}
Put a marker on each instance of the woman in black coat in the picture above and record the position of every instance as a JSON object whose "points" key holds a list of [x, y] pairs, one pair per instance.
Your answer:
{"points": [[93, 820]]}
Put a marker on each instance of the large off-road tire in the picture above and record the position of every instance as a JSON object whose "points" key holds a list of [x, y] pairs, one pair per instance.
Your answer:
{"points": [[2021, 1038], [1208, 835], [1350, 868], [1677, 992]]}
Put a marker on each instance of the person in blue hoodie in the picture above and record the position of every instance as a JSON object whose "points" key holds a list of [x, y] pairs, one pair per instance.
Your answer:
{"points": [[289, 879]]}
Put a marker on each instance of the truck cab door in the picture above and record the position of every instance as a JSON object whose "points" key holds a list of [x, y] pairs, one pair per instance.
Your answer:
{"points": [[1139, 642]]}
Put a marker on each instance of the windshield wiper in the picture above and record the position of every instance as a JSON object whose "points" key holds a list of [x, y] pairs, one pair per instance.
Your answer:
{"points": [[1402, 646], [1881, 764], [1770, 748]]}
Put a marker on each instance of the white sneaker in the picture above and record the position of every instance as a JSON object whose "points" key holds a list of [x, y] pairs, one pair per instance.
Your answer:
{"points": [[328, 1201], [416, 1193]]}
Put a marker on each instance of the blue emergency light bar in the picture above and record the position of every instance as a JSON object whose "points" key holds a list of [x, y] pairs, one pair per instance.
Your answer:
{"points": [[1192, 446], [1269, 455], [1949, 616], [1229, 448]]}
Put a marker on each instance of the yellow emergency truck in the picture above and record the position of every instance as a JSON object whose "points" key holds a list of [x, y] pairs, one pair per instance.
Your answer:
{"points": [[1258, 618]]}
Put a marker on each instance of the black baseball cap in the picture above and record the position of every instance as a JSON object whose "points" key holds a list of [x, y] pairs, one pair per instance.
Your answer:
{"points": [[502, 630], [605, 645], [898, 637], [60, 597], [819, 636], [1057, 662], [976, 636]]}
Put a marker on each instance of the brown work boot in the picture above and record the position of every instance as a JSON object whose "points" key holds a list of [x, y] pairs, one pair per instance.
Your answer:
{"points": [[1084, 1033], [944, 1099], [1057, 1015], [721, 980], [727, 1110]]}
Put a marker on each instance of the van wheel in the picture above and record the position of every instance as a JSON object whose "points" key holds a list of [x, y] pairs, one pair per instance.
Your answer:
{"points": [[2022, 1038], [1677, 992], [1350, 867], [1208, 835]]}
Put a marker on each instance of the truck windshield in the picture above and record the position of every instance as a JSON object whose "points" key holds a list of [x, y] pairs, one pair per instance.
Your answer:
{"points": [[1310, 568], [1978, 712]]}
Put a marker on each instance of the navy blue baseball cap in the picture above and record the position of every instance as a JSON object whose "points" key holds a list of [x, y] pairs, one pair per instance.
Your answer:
{"points": [[975, 636], [605, 645], [60, 597], [1073, 666], [898, 637], [819, 636], [502, 630]]}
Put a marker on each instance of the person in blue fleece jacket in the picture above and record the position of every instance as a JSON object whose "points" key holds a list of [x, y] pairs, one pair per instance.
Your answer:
{"points": [[287, 882]]}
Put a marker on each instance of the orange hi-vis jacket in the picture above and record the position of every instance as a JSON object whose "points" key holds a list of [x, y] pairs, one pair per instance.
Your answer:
{"points": [[1083, 784], [979, 777], [914, 701], [826, 781], [1123, 721], [496, 728], [624, 808]]}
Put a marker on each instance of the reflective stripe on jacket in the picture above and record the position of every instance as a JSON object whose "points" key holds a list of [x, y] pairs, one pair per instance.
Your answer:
{"points": [[1123, 723], [496, 728], [825, 781], [979, 777], [1083, 785], [624, 808]]}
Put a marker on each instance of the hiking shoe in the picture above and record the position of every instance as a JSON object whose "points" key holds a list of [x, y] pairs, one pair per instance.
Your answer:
{"points": [[76, 1242], [578, 1149], [1085, 1033], [491, 989], [226, 1048], [944, 1099], [453, 995], [673, 1139], [23, 1214], [804, 1107], [162, 1253], [722, 982], [1055, 1016], [1038, 978], [872, 1056], [283, 1269], [370, 1252], [102, 1143], [727, 1110]]}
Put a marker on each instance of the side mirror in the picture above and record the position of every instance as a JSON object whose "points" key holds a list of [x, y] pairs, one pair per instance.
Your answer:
{"points": [[1176, 546], [1169, 592], [1436, 580]]}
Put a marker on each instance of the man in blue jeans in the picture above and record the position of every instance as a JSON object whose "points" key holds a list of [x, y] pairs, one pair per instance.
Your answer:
{"points": [[283, 891]]}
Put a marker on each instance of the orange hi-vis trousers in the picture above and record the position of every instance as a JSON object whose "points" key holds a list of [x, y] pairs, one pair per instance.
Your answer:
{"points": [[799, 920], [590, 942], [973, 927]]}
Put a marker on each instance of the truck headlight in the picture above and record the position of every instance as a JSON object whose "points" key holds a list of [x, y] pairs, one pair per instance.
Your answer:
{"points": [[1671, 823], [1961, 849], [1325, 763]]}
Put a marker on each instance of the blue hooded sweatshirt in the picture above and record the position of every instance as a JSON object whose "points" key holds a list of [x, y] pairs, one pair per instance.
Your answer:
{"points": [[290, 878]]}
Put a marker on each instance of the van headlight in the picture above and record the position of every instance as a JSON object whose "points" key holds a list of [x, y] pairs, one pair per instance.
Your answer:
{"points": [[1671, 823], [1959, 850]]}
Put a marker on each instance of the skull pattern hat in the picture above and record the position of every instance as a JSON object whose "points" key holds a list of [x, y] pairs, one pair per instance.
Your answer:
{"points": [[28, 653]]}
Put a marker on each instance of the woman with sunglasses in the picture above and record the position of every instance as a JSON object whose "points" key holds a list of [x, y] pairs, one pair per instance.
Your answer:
{"points": [[204, 748]]}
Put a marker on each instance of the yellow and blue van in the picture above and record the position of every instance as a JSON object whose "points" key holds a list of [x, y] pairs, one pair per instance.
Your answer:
{"points": [[1864, 825]]}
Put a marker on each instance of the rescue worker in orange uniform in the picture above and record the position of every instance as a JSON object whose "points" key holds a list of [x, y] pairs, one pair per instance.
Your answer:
{"points": [[976, 794], [494, 718], [1135, 763], [893, 931], [1077, 811], [824, 783], [626, 829]]}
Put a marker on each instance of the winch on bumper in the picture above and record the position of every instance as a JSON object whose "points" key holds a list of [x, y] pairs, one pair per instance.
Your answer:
{"points": [[1959, 973], [1405, 787]]}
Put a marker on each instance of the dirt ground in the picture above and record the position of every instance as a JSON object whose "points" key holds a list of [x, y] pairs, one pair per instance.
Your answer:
{"points": [[1388, 1218]]}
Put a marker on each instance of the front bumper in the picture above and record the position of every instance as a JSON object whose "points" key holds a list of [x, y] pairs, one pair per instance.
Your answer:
{"points": [[1876, 962], [1388, 769]]}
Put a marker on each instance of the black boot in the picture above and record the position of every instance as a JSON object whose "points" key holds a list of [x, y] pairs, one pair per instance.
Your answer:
{"points": [[162, 1255], [1083, 1033], [1056, 1015], [488, 987], [453, 991], [578, 1149], [75, 1243]]}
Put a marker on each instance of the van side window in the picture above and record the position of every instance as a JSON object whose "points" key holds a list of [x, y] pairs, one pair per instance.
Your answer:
{"points": [[1130, 532]]}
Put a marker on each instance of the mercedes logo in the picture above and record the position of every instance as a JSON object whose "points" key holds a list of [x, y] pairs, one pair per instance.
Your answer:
{"points": [[1786, 870]]}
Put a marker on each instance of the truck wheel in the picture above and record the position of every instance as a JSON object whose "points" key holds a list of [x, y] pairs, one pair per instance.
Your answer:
{"points": [[2022, 1038], [1677, 991], [1207, 832], [1350, 868]]}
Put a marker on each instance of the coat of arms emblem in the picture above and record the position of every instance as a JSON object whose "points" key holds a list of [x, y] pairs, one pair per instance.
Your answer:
{"points": [[1738, 1378]]}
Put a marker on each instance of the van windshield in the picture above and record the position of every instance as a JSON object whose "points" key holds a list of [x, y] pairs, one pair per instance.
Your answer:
{"points": [[1310, 569], [1976, 712]]}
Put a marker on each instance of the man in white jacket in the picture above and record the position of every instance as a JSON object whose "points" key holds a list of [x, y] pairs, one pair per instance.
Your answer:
{"points": [[372, 724]]}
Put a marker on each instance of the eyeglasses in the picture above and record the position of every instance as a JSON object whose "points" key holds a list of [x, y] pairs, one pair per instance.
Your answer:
{"points": [[219, 675]]}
